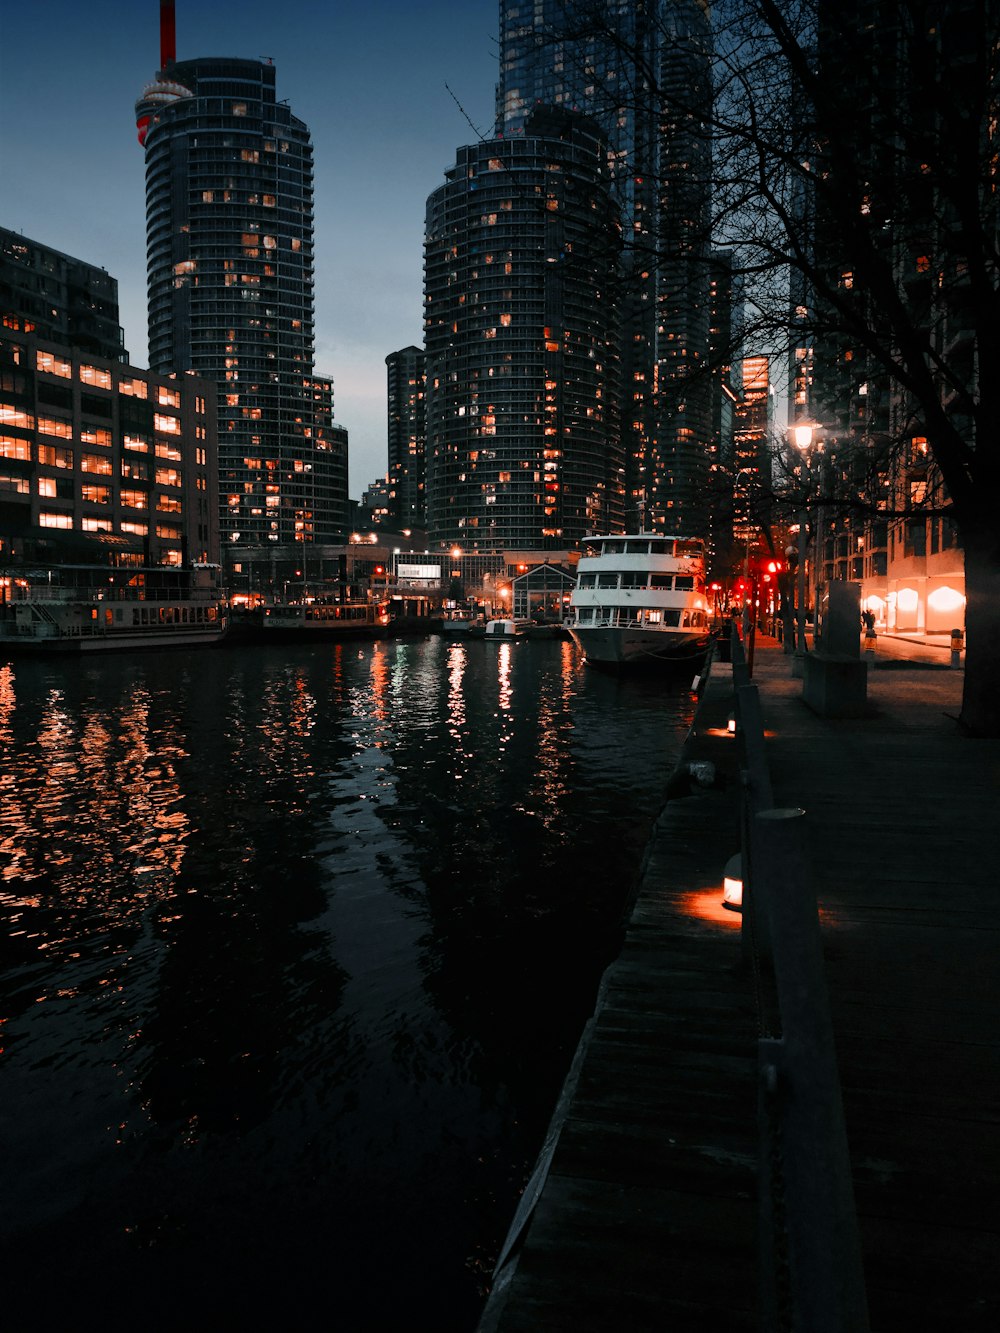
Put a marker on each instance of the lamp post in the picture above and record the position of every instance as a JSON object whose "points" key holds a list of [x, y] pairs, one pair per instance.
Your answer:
{"points": [[802, 437]]}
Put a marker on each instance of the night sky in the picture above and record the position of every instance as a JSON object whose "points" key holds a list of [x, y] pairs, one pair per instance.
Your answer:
{"points": [[371, 80]]}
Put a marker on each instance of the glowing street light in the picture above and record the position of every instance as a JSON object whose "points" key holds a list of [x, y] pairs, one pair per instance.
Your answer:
{"points": [[732, 884]]}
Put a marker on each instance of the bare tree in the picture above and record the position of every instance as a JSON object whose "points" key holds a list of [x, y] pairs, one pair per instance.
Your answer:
{"points": [[854, 184]]}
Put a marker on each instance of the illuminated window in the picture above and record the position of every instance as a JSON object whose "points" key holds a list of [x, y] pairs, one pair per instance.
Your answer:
{"points": [[96, 435], [96, 525], [51, 426], [136, 529], [133, 388], [96, 495], [52, 456], [11, 483], [135, 499], [11, 447], [50, 519], [168, 397], [94, 375], [169, 425], [50, 364], [168, 504], [98, 463], [13, 416], [168, 476]]}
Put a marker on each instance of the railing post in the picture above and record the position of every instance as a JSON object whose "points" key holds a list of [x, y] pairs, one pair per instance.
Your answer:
{"points": [[808, 1195]]}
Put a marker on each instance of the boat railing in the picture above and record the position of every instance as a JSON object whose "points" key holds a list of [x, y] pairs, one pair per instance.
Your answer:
{"points": [[57, 593]]}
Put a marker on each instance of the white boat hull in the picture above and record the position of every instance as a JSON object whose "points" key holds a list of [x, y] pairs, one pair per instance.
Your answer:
{"points": [[605, 645]]}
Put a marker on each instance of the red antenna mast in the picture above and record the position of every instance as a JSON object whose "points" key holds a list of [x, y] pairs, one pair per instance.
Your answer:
{"points": [[168, 34]]}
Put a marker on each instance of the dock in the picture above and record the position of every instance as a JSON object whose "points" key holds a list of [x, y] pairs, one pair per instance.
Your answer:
{"points": [[644, 1214]]}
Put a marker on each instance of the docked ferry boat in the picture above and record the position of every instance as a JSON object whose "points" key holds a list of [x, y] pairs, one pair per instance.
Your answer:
{"points": [[322, 618], [91, 609], [641, 600]]}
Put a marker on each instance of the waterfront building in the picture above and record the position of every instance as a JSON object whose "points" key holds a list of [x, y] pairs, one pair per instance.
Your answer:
{"points": [[868, 439], [229, 217], [59, 298], [643, 72], [407, 436], [103, 463], [522, 342]]}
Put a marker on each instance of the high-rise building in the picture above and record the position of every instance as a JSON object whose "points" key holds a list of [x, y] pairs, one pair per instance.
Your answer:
{"points": [[100, 462], [407, 422], [870, 453], [522, 342], [643, 72], [64, 300], [229, 223]]}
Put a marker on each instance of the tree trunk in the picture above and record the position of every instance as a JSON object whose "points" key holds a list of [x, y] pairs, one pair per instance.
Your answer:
{"points": [[980, 714]]}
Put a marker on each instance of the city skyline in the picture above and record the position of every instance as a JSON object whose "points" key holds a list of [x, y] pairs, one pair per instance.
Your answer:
{"points": [[385, 126]]}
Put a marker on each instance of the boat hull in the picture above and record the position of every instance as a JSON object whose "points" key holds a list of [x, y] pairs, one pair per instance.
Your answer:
{"points": [[75, 645], [615, 647]]}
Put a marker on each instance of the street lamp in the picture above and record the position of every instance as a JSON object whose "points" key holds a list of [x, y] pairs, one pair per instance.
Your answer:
{"points": [[802, 438]]}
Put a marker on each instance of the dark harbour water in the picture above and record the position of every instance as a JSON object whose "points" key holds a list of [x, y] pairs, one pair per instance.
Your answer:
{"points": [[297, 946]]}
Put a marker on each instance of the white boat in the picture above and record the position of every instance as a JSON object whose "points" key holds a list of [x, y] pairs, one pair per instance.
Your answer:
{"points": [[641, 600], [79, 609], [503, 628]]}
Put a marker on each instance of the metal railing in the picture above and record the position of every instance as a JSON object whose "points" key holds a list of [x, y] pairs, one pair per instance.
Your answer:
{"points": [[811, 1278]]}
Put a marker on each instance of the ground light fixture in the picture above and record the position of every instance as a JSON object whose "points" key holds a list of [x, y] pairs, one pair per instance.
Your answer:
{"points": [[732, 884]]}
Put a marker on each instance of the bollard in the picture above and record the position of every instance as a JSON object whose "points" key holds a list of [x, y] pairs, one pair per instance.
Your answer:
{"points": [[956, 647], [870, 641]]}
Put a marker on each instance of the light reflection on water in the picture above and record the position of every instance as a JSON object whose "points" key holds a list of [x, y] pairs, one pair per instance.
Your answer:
{"points": [[297, 946]]}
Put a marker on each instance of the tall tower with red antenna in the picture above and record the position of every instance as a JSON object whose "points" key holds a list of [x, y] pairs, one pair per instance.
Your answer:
{"points": [[229, 236]]}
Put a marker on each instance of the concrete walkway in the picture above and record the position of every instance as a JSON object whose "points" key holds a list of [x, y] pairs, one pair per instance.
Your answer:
{"points": [[645, 1218]]}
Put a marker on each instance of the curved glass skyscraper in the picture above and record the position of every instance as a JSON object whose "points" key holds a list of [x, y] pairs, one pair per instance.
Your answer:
{"points": [[521, 339], [229, 223]]}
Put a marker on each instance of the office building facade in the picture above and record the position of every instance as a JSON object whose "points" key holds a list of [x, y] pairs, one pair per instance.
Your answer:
{"points": [[101, 462], [229, 206], [64, 300]]}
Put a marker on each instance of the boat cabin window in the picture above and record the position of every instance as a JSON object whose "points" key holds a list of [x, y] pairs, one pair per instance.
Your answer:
{"points": [[587, 581], [653, 617], [672, 618], [585, 613], [637, 548], [612, 548], [634, 579], [684, 583], [690, 548], [662, 581], [607, 580]]}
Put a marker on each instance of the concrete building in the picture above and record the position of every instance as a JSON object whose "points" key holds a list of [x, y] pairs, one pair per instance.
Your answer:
{"points": [[59, 298], [102, 463], [229, 209]]}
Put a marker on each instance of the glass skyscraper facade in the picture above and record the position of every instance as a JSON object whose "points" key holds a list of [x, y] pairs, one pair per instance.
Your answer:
{"points": [[642, 70], [406, 402], [229, 218], [522, 342]]}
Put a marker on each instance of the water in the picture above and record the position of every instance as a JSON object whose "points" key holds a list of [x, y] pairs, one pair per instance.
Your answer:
{"points": [[297, 946]]}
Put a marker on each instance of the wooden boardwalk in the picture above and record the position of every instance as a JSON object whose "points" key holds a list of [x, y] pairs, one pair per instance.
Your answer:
{"points": [[647, 1215]]}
